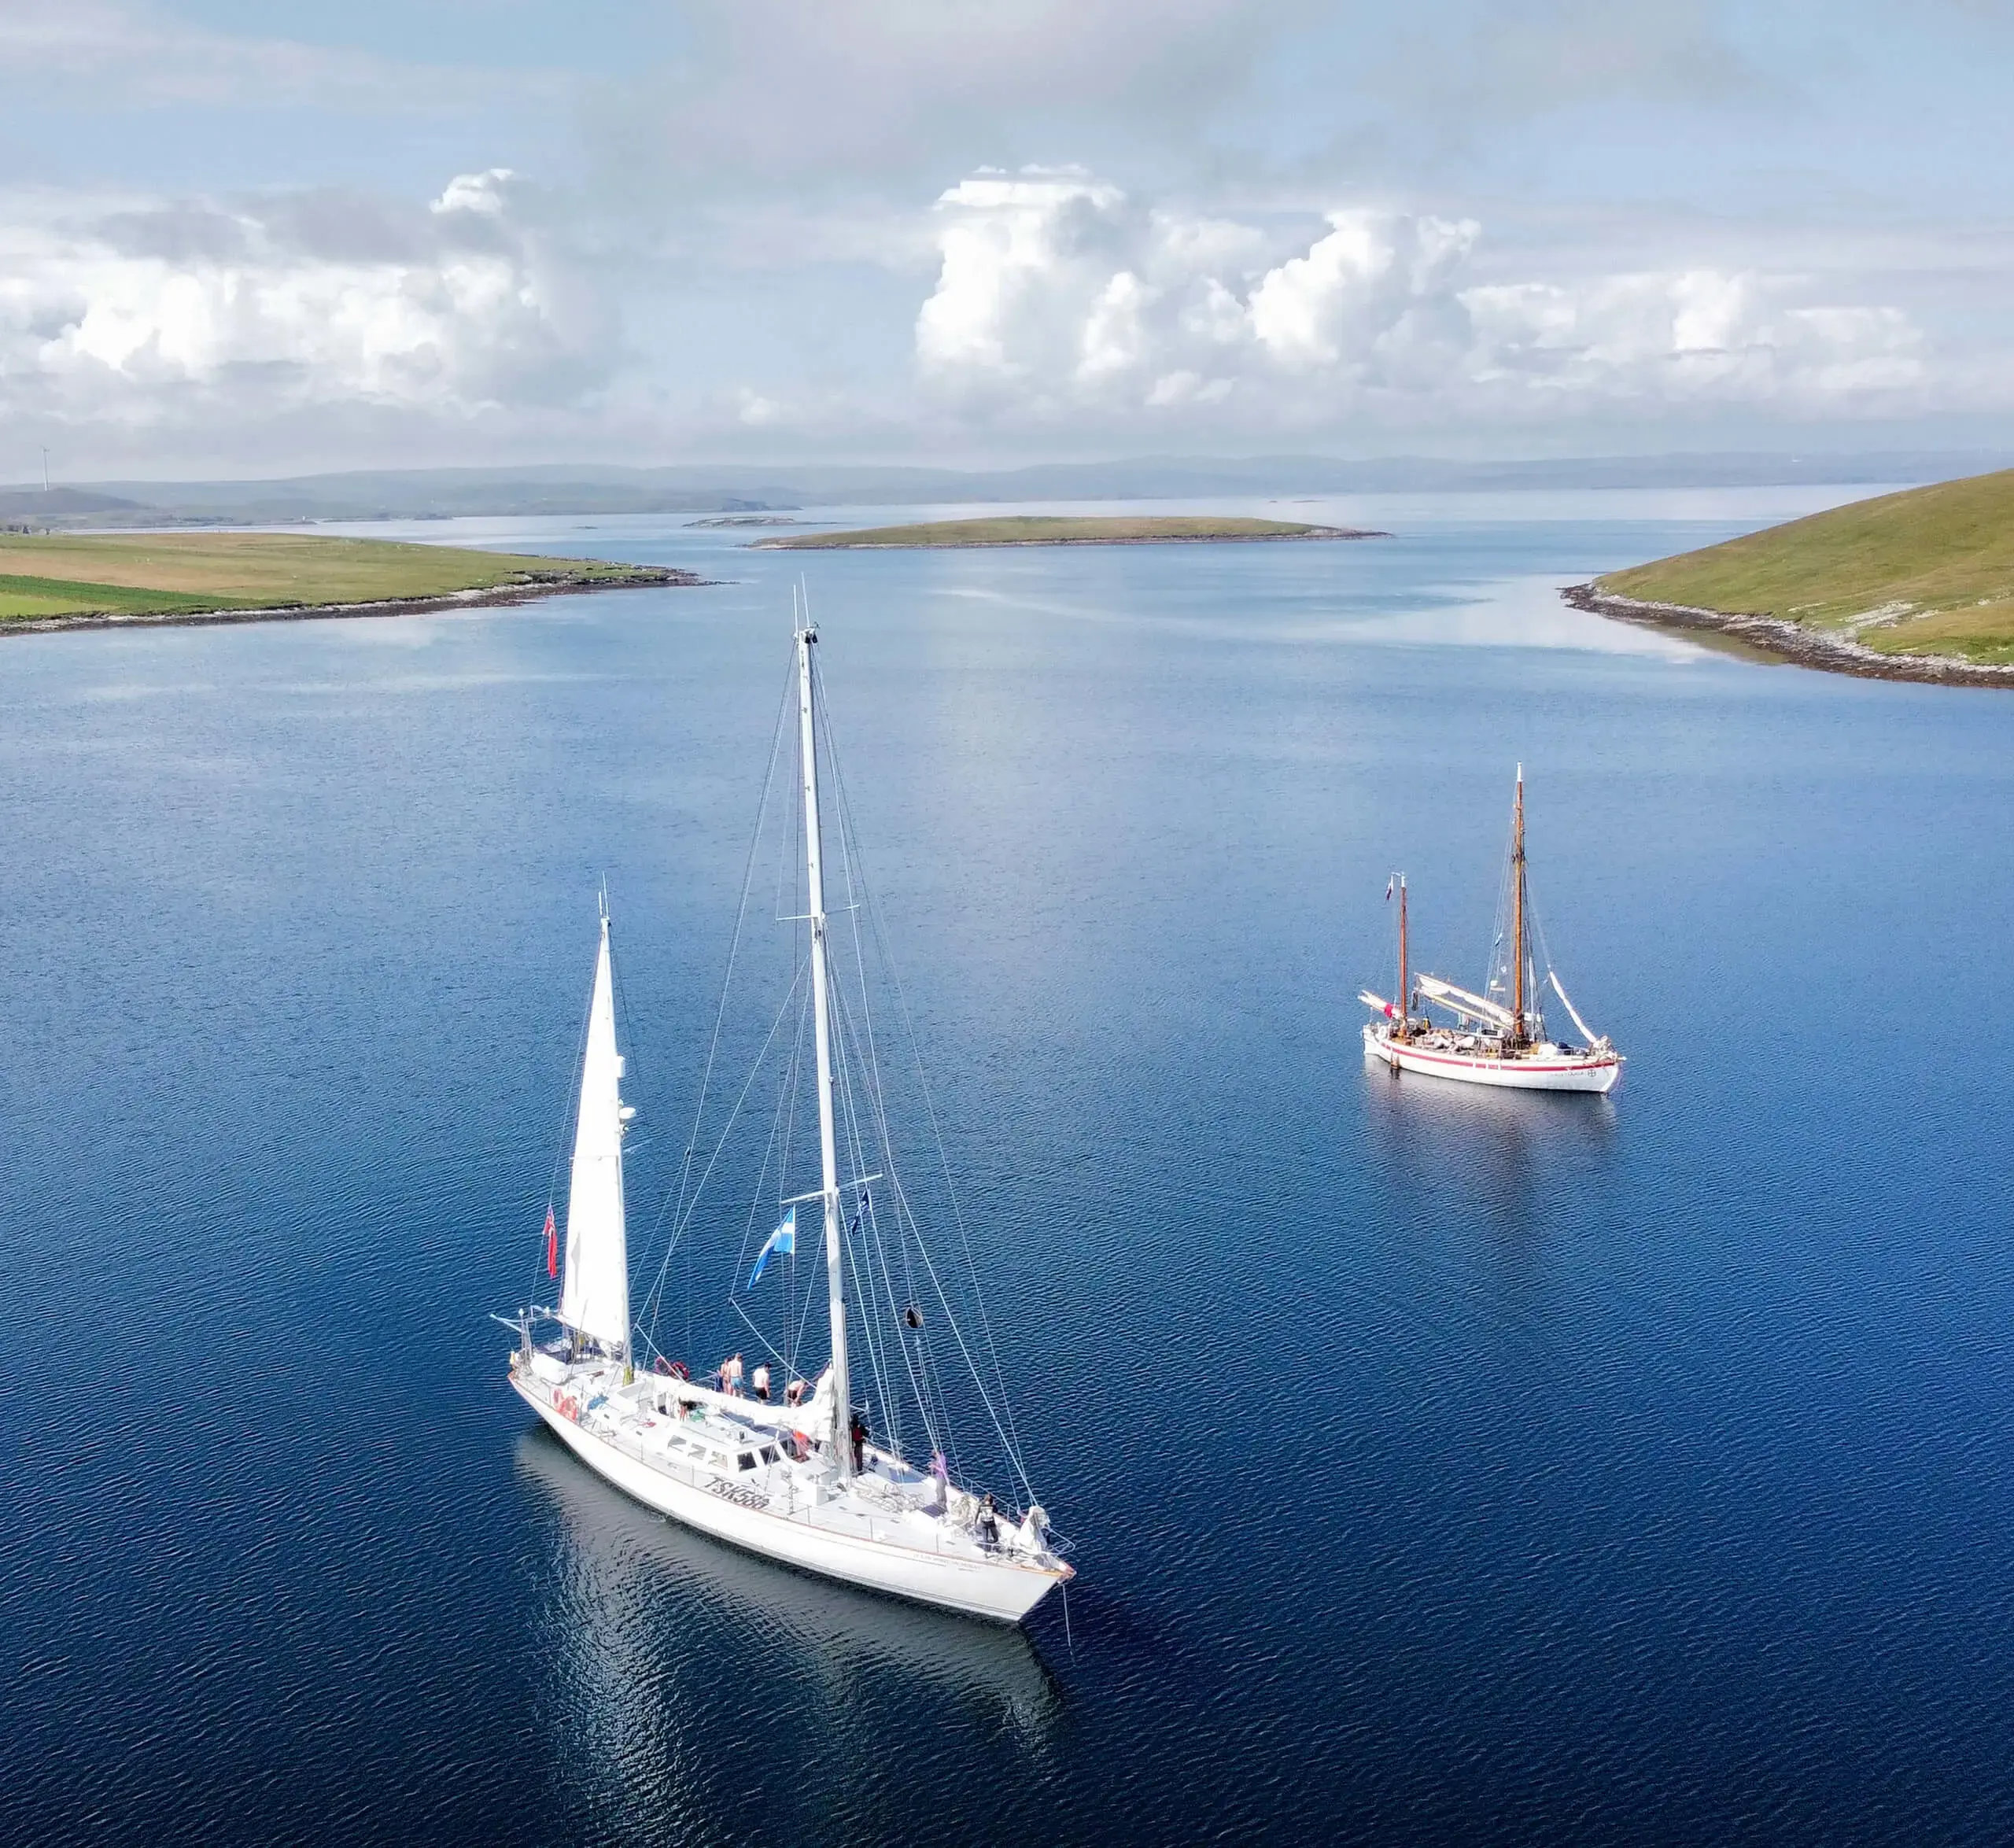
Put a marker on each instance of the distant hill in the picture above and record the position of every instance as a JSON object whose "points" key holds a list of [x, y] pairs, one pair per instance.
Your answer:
{"points": [[42, 507], [1927, 572]]}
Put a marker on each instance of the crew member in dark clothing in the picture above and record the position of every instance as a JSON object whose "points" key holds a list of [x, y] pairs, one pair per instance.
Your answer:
{"points": [[859, 1442]]}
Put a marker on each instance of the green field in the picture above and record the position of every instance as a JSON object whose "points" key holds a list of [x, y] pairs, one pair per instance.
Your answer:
{"points": [[186, 574], [1927, 572], [1051, 529]]}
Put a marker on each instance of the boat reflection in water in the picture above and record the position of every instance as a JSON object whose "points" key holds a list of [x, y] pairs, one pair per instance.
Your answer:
{"points": [[1509, 1153], [683, 1672]]}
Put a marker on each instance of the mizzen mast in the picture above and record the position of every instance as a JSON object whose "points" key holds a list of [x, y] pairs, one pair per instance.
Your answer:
{"points": [[828, 1169]]}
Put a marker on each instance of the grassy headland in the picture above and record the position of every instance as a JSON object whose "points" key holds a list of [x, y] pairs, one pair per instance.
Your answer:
{"points": [[1923, 574], [70, 579], [1054, 529]]}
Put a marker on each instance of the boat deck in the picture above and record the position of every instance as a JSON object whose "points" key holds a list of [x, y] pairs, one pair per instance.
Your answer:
{"points": [[748, 1460]]}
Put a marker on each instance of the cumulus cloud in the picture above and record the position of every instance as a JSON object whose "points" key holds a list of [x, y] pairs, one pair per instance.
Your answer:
{"points": [[1058, 295], [166, 312]]}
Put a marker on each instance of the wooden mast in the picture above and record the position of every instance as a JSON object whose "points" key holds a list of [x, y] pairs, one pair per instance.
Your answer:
{"points": [[1517, 913], [1405, 990]]}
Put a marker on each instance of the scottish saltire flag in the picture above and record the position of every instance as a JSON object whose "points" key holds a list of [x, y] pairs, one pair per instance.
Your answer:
{"points": [[783, 1239]]}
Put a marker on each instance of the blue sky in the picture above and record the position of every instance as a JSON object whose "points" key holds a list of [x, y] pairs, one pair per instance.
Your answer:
{"points": [[256, 237]]}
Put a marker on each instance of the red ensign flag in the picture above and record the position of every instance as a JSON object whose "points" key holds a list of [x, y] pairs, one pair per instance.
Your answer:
{"points": [[551, 1245]]}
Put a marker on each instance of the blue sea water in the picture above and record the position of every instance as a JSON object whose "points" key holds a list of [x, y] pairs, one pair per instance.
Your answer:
{"points": [[1442, 1467]]}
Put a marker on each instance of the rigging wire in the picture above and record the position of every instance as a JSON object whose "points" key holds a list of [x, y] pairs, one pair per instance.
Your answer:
{"points": [[783, 1125], [1003, 1417], [917, 1364], [867, 1263], [734, 1115], [714, 1040], [876, 1246]]}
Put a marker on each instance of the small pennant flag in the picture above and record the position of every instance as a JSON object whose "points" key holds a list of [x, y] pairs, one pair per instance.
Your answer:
{"points": [[783, 1239], [551, 1245], [1388, 884]]}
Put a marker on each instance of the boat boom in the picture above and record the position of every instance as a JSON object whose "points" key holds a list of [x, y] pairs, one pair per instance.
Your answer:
{"points": [[1463, 1002]]}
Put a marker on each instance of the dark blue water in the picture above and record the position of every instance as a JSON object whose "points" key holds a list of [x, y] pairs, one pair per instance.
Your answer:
{"points": [[1443, 1467]]}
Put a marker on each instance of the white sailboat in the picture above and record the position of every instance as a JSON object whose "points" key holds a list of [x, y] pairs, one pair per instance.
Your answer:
{"points": [[801, 1481], [1498, 1039]]}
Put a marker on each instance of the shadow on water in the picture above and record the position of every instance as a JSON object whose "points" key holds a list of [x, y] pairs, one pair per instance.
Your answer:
{"points": [[639, 1602]]}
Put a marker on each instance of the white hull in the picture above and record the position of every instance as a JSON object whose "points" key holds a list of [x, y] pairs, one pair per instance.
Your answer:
{"points": [[961, 1579], [1544, 1068]]}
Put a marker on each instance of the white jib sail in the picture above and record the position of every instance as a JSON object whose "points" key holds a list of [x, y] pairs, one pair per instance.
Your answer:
{"points": [[595, 1298]]}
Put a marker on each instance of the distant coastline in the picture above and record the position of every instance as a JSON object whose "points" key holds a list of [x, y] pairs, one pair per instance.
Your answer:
{"points": [[1790, 641], [494, 597], [1021, 530]]}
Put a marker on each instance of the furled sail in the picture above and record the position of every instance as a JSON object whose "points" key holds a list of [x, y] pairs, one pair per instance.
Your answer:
{"points": [[1463, 1002], [1587, 1032], [595, 1298]]}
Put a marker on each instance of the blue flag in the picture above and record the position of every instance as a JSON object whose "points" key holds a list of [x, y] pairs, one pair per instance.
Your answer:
{"points": [[783, 1239]]}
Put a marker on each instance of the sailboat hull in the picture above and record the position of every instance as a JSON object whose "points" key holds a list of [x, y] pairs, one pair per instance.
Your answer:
{"points": [[1000, 1590], [1541, 1070]]}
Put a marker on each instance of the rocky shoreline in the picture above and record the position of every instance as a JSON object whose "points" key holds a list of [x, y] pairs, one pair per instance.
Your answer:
{"points": [[1807, 647], [496, 596]]}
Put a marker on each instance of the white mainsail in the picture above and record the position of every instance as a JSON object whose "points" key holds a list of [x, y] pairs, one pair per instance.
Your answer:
{"points": [[594, 1300]]}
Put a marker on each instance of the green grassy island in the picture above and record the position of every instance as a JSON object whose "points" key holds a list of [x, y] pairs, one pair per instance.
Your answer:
{"points": [[1918, 585], [68, 580], [1057, 530]]}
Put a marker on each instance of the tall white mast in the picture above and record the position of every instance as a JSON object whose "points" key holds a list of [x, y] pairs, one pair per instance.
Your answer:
{"points": [[828, 1168]]}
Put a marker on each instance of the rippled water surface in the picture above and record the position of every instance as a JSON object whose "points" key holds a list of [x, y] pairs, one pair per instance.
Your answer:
{"points": [[1442, 1467]]}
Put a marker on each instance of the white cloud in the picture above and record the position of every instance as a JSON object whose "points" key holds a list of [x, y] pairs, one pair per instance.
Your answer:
{"points": [[173, 312], [1058, 297]]}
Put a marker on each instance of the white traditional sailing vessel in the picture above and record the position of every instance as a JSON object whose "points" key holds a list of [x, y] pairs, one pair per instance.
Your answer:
{"points": [[800, 1479], [1498, 1038]]}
